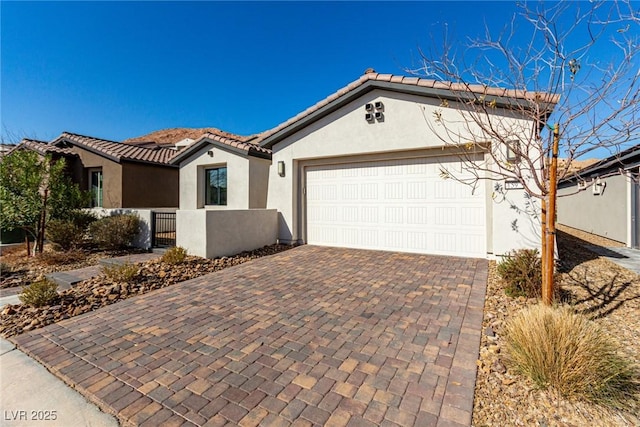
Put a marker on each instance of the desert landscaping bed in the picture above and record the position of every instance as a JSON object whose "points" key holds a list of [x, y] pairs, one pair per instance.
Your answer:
{"points": [[24, 269], [594, 286], [100, 291]]}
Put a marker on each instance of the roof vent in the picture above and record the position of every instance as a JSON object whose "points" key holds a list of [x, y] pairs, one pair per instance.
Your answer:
{"points": [[369, 71]]}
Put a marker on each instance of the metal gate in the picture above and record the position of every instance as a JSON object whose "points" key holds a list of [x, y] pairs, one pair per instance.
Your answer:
{"points": [[163, 229]]}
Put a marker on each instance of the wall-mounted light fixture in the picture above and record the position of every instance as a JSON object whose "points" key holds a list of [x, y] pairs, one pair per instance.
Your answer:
{"points": [[513, 151], [598, 187], [379, 116], [368, 107], [369, 117], [210, 153], [379, 105], [281, 168]]}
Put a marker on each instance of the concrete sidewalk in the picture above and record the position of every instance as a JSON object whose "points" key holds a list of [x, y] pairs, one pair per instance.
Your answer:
{"points": [[31, 395]]}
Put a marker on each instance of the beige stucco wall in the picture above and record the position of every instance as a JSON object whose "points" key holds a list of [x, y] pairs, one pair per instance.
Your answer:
{"points": [[242, 172], [604, 214], [111, 177], [345, 135], [216, 233]]}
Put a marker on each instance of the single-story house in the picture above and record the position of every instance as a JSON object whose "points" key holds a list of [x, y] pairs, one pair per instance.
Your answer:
{"points": [[117, 174], [121, 175], [604, 198], [359, 169]]}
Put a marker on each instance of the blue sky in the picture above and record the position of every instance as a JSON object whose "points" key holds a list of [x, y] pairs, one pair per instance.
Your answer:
{"points": [[122, 69]]}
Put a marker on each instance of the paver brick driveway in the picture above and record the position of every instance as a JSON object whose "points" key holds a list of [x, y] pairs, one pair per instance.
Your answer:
{"points": [[310, 336]]}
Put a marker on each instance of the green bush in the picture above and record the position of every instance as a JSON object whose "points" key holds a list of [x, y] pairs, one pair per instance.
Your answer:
{"points": [[39, 293], [560, 349], [175, 255], [522, 271], [115, 232], [64, 234], [124, 273], [82, 219]]}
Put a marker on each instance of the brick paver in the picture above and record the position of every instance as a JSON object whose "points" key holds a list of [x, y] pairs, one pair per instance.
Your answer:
{"points": [[309, 336]]}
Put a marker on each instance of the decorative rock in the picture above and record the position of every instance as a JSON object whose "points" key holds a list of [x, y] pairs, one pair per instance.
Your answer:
{"points": [[498, 366], [489, 332]]}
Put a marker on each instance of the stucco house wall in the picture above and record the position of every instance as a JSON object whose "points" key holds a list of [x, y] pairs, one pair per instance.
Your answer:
{"points": [[344, 135], [111, 176], [149, 186], [604, 214], [246, 179], [215, 233]]}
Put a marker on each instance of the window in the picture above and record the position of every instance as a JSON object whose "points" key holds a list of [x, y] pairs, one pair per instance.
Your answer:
{"points": [[95, 182], [215, 186]]}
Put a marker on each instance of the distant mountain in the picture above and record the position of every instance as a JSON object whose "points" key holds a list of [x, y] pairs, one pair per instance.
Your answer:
{"points": [[575, 166], [171, 136]]}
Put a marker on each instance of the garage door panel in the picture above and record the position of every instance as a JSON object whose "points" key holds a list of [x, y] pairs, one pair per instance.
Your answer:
{"points": [[400, 205]]}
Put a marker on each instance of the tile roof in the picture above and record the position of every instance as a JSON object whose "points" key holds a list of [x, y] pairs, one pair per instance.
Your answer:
{"points": [[435, 88], [43, 147], [117, 151], [243, 147], [243, 144]]}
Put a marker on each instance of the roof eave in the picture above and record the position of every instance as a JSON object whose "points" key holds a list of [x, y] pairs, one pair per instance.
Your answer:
{"points": [[369, 85], [206, 140], [619, 161]]}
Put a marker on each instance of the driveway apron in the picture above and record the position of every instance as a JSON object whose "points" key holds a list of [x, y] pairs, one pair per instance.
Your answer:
{"points": [[311, 336]]}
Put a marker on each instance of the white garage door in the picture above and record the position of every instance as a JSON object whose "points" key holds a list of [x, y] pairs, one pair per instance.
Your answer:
{"points": [[400, 205]]}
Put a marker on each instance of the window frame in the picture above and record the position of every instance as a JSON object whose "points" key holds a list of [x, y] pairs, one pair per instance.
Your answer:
{"points": [[97, 198], [220, 193]]}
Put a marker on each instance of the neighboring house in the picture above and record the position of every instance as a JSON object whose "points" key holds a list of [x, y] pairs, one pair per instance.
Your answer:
{"points": [[604, 198], [5, 148], [121, 175], [359, 169]]}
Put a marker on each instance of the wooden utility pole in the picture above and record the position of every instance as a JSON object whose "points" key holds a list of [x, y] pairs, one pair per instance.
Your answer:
{"points": [[547, 289]]}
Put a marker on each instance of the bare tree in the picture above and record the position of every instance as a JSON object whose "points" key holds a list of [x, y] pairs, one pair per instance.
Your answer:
{"points": [[574, 81]]}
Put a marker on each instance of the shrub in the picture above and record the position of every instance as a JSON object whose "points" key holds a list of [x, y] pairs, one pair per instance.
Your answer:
{"points": [[64, 235], [175, 255], [82, 219], [62, 258], [522, 271], [115, 232], [563, 350], [39, 293], [5, 268], [124, 273]]}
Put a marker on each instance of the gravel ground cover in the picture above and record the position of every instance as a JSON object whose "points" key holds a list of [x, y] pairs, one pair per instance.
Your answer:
{"points": [[602, 290]]}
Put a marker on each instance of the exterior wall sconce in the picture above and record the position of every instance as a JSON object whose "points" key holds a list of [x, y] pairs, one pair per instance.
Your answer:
{"points": [[598, 187], [368, 107], [379, 116], [210, 153], [369, 117], [379, 105], [281, 168]]}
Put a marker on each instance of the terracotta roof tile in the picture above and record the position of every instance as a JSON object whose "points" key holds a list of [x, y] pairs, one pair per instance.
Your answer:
{"points": [[409, 81], [249, 147], [43, 147], [117, 150]]}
